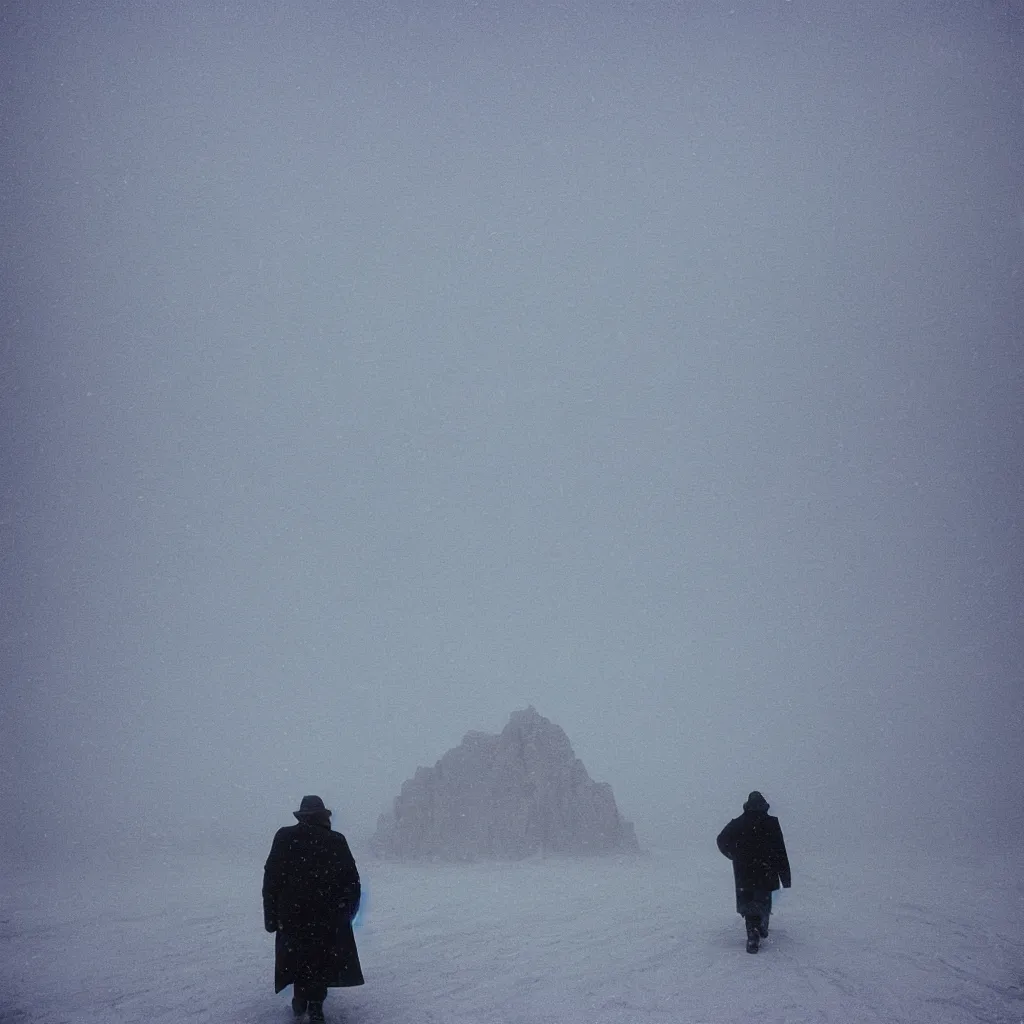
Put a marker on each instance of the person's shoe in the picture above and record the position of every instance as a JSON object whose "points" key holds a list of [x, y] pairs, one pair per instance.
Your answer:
{"points": [[762, 930], [752, 945], [316, 1013], [298, 1007]]}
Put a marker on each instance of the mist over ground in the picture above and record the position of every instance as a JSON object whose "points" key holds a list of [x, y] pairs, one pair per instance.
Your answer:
{"points": [[370, 373]]}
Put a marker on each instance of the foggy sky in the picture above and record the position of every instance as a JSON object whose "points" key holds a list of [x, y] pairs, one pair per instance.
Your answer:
{"points": [[370, 373]]}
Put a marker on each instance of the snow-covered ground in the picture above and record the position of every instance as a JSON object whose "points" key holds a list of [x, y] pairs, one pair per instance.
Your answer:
{"points": [[865, 936]]}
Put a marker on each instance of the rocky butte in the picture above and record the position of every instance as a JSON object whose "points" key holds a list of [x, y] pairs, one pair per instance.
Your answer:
{"points": [[520, 793]]}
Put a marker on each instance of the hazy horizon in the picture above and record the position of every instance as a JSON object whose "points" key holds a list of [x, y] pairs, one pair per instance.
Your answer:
{"points": [[372, 373]]}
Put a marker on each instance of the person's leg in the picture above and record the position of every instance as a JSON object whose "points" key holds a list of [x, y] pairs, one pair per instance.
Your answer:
{"points": [[309, 991], [766, 912], [316, 993], [753, 923]]}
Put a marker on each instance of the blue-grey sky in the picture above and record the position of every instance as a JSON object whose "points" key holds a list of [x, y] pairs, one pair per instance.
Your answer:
{"points": [[371, 371]]}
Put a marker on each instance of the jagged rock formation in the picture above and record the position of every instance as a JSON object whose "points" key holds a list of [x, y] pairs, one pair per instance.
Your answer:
{"points": [[519, 793]]}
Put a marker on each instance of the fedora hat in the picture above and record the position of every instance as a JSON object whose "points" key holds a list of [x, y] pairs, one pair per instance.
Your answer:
{"points": [[310, 805]]}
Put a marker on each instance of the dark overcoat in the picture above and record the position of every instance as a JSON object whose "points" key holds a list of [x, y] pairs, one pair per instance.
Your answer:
{"points": [[754, 844], [310, 895]]}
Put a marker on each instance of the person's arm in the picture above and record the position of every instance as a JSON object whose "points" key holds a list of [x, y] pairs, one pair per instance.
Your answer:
{"points": [[782, 859], [273, 879], [353, 894], [350, 887], [726, 841]]}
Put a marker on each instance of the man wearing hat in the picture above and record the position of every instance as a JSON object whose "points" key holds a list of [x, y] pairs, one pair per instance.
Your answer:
{"points": [[754, 844], [310, 895]]}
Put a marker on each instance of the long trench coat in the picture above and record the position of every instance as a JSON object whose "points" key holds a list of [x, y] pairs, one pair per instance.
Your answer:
{"points": [[310, 895], [754, 844]]}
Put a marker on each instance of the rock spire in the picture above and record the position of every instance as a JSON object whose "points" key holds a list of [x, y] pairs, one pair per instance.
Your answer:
{"points": [[520, 793]]}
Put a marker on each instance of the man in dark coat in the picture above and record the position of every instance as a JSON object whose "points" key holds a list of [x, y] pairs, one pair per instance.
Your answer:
{"points": [[310, 895], [754, 844]]}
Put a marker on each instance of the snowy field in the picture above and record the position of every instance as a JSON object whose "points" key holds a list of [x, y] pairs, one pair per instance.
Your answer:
{"points": [[893, 938]]}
